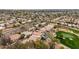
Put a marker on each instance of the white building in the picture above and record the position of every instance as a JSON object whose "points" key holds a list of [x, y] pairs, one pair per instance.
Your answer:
{"points": [[2, 26], [26, 33]]}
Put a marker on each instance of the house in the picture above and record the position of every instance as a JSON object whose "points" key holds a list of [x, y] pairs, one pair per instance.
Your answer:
{"points": [[15, 37], [2, 26], [32, 29], [12, 21], [26, 33], [44, 23], [29, 21]]}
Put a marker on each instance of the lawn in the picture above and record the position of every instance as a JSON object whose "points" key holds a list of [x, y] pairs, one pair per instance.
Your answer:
{"points": [[69, 39]]}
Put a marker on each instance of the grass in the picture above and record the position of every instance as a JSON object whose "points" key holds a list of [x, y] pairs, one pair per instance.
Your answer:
{"points": [[69, 39]]}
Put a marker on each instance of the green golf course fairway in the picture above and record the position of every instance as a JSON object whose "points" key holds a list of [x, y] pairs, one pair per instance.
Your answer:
{"points": [[69, 39]]}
